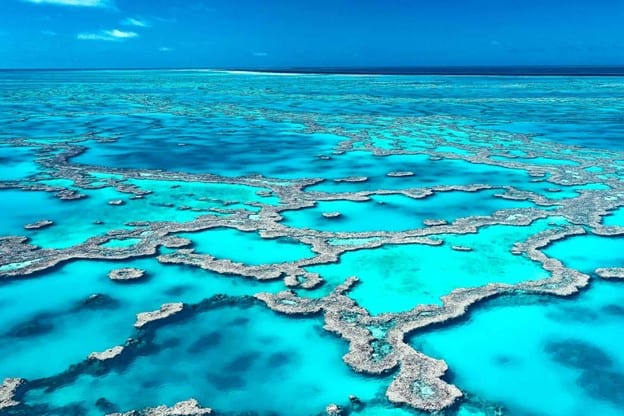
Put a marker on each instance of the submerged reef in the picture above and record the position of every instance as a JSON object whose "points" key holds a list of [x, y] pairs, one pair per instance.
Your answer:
{"points": [[8, 392], [39, 224], [325, 185], [611, 272], [164, 312], [186, 408], [106, 355], [126, 274]]}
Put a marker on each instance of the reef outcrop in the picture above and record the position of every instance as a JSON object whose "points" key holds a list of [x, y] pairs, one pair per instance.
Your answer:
{"points": [[189, 407], [399, 174], [106, 354], [333, 410], [165, 311], [8, 392], [39, 224], [126, 274], [611, 272]]}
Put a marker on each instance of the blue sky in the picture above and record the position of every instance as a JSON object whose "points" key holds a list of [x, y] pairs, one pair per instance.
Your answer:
{"points": [[290, 33]]}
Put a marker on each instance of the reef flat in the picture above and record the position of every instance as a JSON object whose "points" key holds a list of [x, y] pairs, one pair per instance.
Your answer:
{"points": [[184, 242]]}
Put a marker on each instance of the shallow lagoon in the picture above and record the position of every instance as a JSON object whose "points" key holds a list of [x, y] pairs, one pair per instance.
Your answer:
{"points": [[539, 356], [426, 172], [588, 252], [396, 278], [76, 220], [231, 356], [207, 149], [247, 247], [398, 212], [616, 218], [74, 326], [16, 163]]}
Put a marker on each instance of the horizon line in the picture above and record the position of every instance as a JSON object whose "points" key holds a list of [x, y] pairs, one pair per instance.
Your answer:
{"points": [[502, 70]]}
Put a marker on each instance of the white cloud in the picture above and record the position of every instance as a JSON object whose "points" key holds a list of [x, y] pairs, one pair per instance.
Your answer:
{"points": [[77, 3], [108, 35], [120, 34], [131, 21], [165, 49]]}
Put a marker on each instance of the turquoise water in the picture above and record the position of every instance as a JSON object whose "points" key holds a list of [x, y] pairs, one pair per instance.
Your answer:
{"points": [[616, 218], [396, 278], [25, 208], [398, 212], [246, 247], [259, 138], [227, 154], [71, 326], [116, 243], [537, 161], [201, 195], [574, 191], [16, 163], [234, 356], [75, 220], [539, 356], [589, 252], [426, 173]]}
